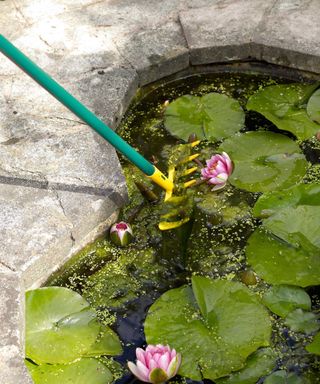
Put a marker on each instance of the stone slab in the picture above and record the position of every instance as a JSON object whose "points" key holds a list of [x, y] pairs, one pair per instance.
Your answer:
{"points": [[225, 31], [12, 368], [40, 140], [155, 53], [11, 309], [36, 230], [85, 211], [290, 35], [41, 227]]}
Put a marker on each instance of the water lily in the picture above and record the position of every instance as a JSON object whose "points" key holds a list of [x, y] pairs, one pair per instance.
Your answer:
{"points": [[157, 364], [217, 171], [121, 233]]}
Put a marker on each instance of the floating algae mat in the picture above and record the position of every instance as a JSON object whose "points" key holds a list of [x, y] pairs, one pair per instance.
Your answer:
{"points": [[235, 289]]}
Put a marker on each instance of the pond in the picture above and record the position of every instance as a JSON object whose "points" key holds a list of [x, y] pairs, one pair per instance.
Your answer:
{"points": [[231, 278]]}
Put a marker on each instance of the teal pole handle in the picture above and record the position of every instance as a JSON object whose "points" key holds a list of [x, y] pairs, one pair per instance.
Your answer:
{"points": [[41, 77]]}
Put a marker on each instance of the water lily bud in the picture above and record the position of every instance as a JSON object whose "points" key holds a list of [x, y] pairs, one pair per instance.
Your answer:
{"points": [[248, 277], [121, 234], [157, 364], [217, 171]]}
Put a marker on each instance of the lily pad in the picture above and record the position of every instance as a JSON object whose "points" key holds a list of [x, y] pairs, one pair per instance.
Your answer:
{"points": [[264, 161], [302, 194], [314, 347], [296, 224], [61, 327], [282, 377], [215, 325], [313, 107], [293, 215], [259, 364], [279, 262], [83, 371], [284, 106], [282, 299], [211, 117], [301, 321], [107, 343]]}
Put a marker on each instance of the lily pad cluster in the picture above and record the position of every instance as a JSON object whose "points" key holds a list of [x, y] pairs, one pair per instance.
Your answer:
{"points": [[294, 305], [64, 338], [286, 248], [215, 325], [291, 107]]}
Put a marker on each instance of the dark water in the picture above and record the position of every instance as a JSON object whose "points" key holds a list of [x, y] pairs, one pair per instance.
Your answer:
{"points": [[143, 128]]}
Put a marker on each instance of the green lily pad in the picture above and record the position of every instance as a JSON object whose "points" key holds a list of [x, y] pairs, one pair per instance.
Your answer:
{"points": [[259, 364], [313, 107], [302, 194], [284, 106], [282, 299], [215, 325], [282, 377], [301, 321], [314, 347], [292, 215], [264, 161], [279, 262], [107, 343], [83, 371], [61, 327], [211, 117]]}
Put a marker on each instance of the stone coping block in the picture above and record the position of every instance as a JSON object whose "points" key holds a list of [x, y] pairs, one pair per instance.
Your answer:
{"points": [[289, 35], [12, 368], [225, 31], [41, 225], [60, 183], [156, 52]]}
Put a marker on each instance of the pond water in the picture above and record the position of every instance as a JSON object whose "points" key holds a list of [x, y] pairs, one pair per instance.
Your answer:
{"points": [[225, 238]]}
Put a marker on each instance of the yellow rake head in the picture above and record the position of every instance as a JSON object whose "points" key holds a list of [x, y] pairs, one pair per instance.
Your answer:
{"points": [[179, 206]]}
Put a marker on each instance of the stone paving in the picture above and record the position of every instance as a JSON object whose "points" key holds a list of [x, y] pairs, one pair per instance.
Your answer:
{"points": [[60, 183]]}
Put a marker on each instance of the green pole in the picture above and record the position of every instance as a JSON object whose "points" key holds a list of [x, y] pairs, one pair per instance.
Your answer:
{"points": [[74, 105]]}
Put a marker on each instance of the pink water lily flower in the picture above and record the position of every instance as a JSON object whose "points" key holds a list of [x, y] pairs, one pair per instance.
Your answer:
{"points": [[217, 171], [157, 364]]}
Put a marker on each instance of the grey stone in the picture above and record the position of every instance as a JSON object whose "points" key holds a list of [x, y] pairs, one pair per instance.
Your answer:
{"points": [[11, 309], [42, 226], [41, 141], [36, 230], [225, 31], [86, 211], [289, 35], [155, 53], [107, 91], [12, 368]]}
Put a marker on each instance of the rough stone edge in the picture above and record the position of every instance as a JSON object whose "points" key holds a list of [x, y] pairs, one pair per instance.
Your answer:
{"points": [[14, 369], [100, 230], [251, 49]]}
